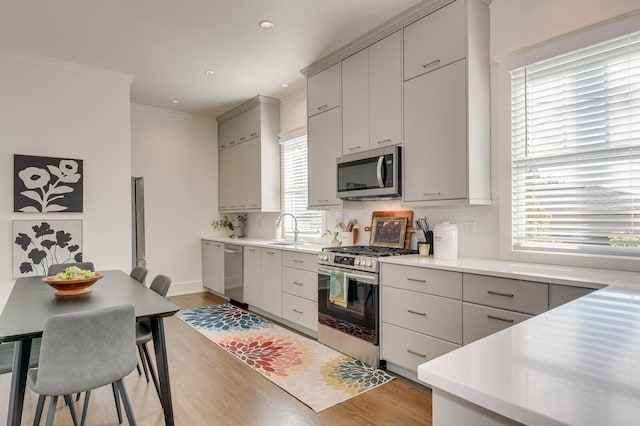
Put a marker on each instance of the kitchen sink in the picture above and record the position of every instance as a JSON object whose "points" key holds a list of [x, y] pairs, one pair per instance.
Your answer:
{"points": [[282, 242]]}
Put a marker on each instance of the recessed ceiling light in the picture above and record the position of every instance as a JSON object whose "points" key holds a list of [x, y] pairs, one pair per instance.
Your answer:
{"points": [[175, 101], [285, 85], [265, 25], [209, 72]]}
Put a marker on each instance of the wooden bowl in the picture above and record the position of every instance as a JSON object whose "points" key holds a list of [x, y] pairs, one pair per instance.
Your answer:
{"points": [[71, 287]]}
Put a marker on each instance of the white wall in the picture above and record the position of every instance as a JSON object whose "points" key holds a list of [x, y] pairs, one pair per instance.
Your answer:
{"points": [[58, 109], [177, 155]]}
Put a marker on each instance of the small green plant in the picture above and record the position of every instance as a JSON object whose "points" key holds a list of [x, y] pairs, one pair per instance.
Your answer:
{"points": [[333, 234], [225, 222]]}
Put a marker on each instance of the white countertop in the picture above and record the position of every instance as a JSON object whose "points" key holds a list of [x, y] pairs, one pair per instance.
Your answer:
{"points": [[554, 274], [300, 247], [577, 364]]}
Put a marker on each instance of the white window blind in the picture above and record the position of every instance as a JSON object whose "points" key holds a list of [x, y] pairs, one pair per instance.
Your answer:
{"points": [[576, 151], [294, 189]]}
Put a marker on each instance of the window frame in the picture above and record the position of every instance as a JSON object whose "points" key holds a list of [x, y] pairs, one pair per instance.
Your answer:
{"points": [[501, 80]]}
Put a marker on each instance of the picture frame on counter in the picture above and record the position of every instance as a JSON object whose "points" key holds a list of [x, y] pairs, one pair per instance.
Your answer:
{"points": [[388, 232]]}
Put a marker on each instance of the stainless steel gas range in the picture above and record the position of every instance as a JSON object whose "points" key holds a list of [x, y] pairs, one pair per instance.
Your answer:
{"points": [[351, 324]]}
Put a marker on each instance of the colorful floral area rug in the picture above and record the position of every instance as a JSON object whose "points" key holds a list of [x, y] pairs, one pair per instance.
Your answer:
{"points": [[317, 375]]}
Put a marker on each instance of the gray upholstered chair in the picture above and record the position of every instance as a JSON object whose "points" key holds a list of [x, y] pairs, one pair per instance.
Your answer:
{"points": [[139, 273], [59, 267], [160, 285], [81, 351]]}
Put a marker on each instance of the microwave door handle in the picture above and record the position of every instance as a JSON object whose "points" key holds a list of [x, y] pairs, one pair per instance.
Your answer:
{"points": [[380, 171]]}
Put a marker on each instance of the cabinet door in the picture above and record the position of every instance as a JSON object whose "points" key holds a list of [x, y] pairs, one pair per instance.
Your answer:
{"points": [[325, 145], [272, 281], [213, 266], [249, 177], [323, 90], [252, 276], [249, 124], [385, 91], [355, 103], [228, 179], [435, 135], [228, 133], [436, 40]]}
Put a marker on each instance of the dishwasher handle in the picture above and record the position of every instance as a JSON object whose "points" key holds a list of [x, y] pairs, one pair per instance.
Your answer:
{"points": [[230, 251]]}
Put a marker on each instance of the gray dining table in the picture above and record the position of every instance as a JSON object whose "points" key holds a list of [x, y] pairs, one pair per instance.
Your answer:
{"points": [[32, 302]]}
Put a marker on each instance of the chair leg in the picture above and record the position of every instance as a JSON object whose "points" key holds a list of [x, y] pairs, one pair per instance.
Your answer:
{"points": [[78, 396], [39, 408], [72, 409], [138, 368], [152, 370], [144, 364], [52, 410], [125, 400], [85, 407], [116, 398]]}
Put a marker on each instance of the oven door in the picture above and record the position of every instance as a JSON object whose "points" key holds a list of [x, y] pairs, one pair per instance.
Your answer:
{"points": [[360, 317]]}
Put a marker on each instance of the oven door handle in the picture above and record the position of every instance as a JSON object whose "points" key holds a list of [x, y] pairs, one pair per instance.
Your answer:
{"points": [[368, 279]]}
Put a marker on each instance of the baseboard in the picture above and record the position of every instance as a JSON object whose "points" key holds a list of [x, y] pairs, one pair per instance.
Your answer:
{"points": [[187, 287]]}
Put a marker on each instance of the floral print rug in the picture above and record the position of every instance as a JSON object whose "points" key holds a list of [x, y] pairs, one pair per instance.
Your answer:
{"points": [[317, 375]]}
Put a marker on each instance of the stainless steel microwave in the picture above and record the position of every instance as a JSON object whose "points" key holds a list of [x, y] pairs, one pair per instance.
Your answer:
{"points": [[370, 174]]}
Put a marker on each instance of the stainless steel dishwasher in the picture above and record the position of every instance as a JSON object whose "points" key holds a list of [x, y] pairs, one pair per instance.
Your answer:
{"points": [[233, 274]]}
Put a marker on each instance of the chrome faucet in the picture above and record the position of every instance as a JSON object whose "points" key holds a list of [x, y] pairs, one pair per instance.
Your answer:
{"points": [[295, 225]]}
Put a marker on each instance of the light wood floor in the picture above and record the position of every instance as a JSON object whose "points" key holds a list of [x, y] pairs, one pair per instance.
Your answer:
{"points": [[210, 387]]}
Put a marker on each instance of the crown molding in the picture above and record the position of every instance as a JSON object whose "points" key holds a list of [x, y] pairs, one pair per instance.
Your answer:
{"points": [[43, 61], [171, 113], [246, 106], [387, 28]]}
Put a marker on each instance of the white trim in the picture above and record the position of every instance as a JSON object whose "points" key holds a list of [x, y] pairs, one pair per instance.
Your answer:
{"points": [[586, 36], [43, 61], [172, 113], [186, 287], [292, 134]]}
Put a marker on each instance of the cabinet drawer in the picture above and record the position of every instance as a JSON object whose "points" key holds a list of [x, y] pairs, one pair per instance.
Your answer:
{"points": [[436, 40], [515, 295], [481, 321], [306, 261], [433, 315], [301, 311], [409, 349], [423, 280], [300, 283]]}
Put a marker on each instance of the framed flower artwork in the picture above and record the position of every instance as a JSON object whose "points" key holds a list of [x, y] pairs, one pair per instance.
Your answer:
{"points": [[38, 244], [46, 184]]}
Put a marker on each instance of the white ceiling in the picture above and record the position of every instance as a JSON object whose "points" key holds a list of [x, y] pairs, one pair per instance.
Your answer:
{"points": [[167, 44]]}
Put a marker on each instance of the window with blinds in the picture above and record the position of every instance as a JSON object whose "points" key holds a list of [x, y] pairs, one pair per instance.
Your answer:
{"points": [[294, 189], [576, 151]]}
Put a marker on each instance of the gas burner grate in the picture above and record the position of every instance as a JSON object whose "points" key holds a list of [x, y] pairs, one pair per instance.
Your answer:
{"points": [[373, 251]]}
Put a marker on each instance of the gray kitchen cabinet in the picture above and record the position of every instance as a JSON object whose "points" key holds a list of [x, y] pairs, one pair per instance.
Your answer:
{"points": [[446, 107], [372, 96], [252, 276], [323, 91], [481, 321], [515, 295], [228, 134], [561, 294], [324, 146], [300, 289], [228, 179], [272, 281], [249, 169], [213, 266], [436, 40]]}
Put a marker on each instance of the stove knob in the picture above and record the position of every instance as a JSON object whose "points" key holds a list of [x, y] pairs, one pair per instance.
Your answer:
{"points": [[368, 264], [357, 262]]}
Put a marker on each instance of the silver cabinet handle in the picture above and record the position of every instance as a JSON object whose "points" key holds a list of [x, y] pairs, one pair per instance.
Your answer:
{"points": [[222, 146], [416, 353], [323, 106], [232, 142], [497, 293], [354, 148], [298, 261], [417, 313], [383, 141], [499, 319], [323, 201], [430, 194], [417, 280], [217, 245], [254, 134], [254, 205], [297, 283], [243, 138], [297, 311], [206, 243], [243, 205], [269, 252], [436, 62], [251, 249]]}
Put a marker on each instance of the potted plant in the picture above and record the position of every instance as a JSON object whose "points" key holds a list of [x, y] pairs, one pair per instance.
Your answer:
{"points": [[235, 226], [335, 242]]}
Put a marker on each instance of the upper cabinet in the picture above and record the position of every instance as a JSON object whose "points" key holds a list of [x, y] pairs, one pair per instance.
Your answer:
{"points": [[323, 91], [249, 157], [372, 96], [436, 40], [446, 107], [324, 146]]}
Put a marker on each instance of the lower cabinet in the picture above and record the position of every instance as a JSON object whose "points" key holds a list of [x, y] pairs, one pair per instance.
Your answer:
{"points": [[300, 311], [213, 265], [252, 275], [300, 289], [271, 281]]}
